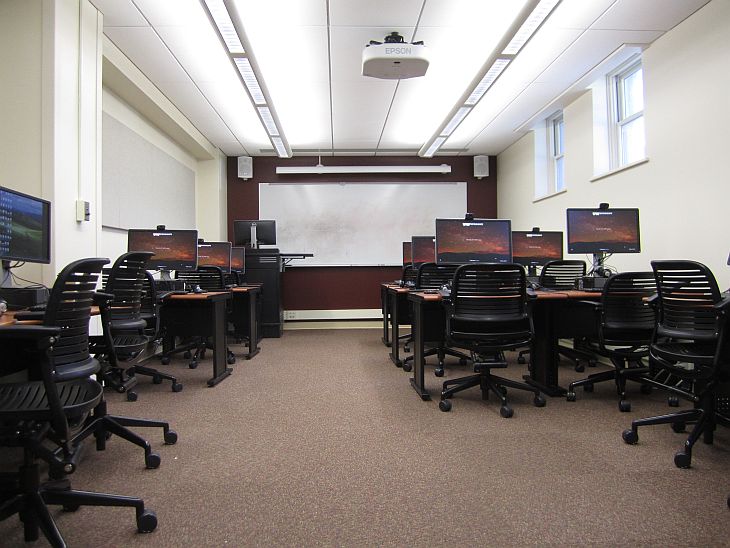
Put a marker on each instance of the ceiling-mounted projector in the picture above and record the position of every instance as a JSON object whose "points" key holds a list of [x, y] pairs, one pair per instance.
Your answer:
{"points": [[394, 59]]}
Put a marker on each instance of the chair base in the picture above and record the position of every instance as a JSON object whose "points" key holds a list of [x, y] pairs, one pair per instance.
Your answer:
{"points": [[620, 374], [33, 497], [441, 352], [488, 383]]}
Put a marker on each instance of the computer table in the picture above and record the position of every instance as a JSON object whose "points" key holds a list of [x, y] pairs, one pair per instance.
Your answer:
{"points": [[245, 320], [555, 314], [397, 297], [198, 315]]}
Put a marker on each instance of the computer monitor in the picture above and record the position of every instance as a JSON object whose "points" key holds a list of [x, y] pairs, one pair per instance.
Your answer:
{"points": [[407, 255], [25, 227], [536, 247], [423, 249], [173, 249], [215, 254], [265, 232], [603, 230], [238, 259], [473, 241]]}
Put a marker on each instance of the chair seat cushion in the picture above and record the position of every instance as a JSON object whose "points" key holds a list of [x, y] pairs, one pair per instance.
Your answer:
{"points": [[28, 401], [76, 370], [128, 325]]}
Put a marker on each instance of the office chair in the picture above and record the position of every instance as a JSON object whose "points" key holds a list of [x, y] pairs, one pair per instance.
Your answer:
{"points": [[488, 314], [128, 335], [689, 344], [43, 408], [625, 322], [562, 275], [66, 309], [207, 278], [434, 276]]}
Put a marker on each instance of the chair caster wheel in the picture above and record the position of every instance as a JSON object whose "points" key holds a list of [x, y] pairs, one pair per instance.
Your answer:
{"points": [[539, 401], [439, 372], [165, 360], [231, 360], [682, 459], [624, 406], [193, 364], [678, 427], [646, 389], [147, 521], [131, 396], [445, 405], [463, 361], [673, 401], [407, 367], [506, 411], [170, 437], [156, 379], [630, 436], [521, 360], [579, 367], [177, 387], [71, 507], [152, 460], [570, 396], [588, 387], [187, 354]]}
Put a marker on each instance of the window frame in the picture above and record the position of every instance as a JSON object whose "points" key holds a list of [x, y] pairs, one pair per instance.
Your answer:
{"points": [[616, 105], [556, 146]]}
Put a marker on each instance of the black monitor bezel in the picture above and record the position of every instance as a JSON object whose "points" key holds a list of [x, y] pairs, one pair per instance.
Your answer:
{"points": [[242, 232], [501, 221], [243, 252], [46, 233], [155, 264], [517, 260], [595, 250], [230, 247]]}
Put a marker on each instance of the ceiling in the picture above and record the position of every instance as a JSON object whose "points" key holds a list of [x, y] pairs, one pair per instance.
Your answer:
{"points": [[309, 56]]}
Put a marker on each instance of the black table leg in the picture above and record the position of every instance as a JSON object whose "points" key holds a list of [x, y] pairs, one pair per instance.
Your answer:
{"points": [[220, 371], [544, 351], [386, 314], [394, 345], [253, 344], [418, 381]]}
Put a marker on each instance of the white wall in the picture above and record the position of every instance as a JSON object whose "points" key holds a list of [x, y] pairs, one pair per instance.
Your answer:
{"points": [[682, 191]]}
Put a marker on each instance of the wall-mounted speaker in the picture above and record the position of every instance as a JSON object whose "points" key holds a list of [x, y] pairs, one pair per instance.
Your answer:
{"points": [[245, 167], [481, 166]]}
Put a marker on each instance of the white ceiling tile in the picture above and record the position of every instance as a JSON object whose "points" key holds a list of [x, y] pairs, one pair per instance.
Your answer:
{"points": [[278, 16], [375, 13], [120, 13], [148, 52], [647, 14], [161, 13]]}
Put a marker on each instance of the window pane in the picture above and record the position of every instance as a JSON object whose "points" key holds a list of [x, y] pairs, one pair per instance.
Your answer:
{"points": [[633, 94], [558, 136], [559, 174], [632, 141]]}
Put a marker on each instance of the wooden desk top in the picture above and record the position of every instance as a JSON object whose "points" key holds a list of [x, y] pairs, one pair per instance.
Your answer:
{"points": [[539, 295], [198, 296], [246, 289], [9, 317]]}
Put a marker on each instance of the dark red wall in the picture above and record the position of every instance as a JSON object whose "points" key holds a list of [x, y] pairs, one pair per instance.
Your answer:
{"points": [[331, 288]]}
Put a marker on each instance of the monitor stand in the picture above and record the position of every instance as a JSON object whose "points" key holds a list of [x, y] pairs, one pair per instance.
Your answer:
{"points": [[254, 241], [597, 267], [532, 270]]}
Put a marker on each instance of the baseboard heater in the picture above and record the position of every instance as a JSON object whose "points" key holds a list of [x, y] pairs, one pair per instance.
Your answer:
{"points": [[334, 315]]}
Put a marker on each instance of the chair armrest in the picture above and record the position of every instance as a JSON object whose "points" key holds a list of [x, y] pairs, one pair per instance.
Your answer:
{"points": [[723, 305], [653, 300], [25, 315], [101, 299], [43, 335]]}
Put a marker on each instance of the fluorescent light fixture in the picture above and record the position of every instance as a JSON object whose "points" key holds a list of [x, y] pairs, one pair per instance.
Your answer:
{"points": [[434, 147], [249, 78], [492, 74], [222, 20], [532, 15], [280, 147], [287, 170], [455, 120], [528, 28], [268, 120]]}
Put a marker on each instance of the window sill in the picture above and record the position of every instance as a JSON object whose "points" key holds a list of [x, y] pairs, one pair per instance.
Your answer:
{"points": [[619, 170], [541, 198]]}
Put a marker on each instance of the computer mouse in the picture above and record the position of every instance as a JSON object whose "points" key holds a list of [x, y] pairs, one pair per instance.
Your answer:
{"points": [[534, 286], [197, 289]]}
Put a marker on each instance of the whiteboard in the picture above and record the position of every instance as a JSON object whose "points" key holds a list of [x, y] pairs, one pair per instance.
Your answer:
{"points": [[142, 186], [356, 224]]}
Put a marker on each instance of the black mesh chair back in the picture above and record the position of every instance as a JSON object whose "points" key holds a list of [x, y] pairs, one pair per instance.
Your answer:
{"points": [[148, 299], [687, 294], [433, 276], [626, 314], [126, 282], [409, 275], [230, 279], [69, 307], [209, 278], [562, 274], [489, 306]]}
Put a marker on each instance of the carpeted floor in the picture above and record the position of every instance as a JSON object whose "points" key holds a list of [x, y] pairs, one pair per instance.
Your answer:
{"points": [[320, 440]]}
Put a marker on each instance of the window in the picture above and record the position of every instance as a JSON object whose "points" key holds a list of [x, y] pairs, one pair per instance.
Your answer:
{"points": [[626, 89], [557, 152]]}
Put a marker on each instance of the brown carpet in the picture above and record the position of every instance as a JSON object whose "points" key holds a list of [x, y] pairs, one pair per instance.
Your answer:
{"points": [[320, 440]]}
